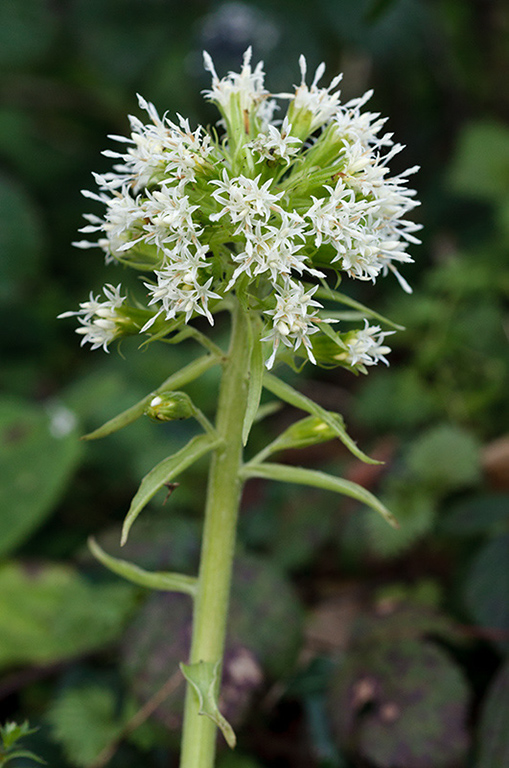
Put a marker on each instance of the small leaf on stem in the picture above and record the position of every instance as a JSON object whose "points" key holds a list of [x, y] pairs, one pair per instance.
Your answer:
{"points": [[333, 420], [203, 678], [317, 479], [163, 473], [170, 582]]}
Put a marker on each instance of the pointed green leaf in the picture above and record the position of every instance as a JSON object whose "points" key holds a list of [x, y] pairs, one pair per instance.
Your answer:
{"points": [[256, 369], [163, 472], [122, 420], [317, 479], [190, 372], [23, 753], [342, 298], [203, 677], [333, 420], [171, 582], [332, 334]]}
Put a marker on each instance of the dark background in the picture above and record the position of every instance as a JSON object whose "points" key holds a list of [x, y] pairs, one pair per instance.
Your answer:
{"points": [[385, 649]]}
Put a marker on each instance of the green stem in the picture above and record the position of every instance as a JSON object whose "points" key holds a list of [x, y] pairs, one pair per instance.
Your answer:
{"points": [[223, 497]]}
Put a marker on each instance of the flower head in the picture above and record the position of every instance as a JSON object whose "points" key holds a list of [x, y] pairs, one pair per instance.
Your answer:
{"points": [[272, 210]]}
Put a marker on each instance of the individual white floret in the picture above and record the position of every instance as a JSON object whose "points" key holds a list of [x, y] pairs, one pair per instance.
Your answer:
{"points": [[274, 250], [367, 346], [123, 217], [276, 144], [321, 103], [98, 319], [161, 147], [180, 293], [294, 319], [243, 199], [247, 85], [169, 217]]}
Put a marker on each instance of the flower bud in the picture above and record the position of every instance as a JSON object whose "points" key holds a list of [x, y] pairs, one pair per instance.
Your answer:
{"points": [[169, 406], [308, 431]]}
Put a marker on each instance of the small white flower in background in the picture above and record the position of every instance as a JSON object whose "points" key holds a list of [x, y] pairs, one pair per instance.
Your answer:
{"points": [[273, 208], [62, 420]]}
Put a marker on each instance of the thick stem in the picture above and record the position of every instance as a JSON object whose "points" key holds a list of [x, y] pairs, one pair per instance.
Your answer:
{"points": [[218, 544]]}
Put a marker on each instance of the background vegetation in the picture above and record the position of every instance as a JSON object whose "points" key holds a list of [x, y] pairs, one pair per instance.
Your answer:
{"points": [[350, 644]]}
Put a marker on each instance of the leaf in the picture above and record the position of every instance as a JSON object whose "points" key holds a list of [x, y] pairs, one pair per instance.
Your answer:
{"points": [[203, 677], [173, 582], [478, 515], [446, 458], [486, 588], [493, 734], [342, 298], [85, 719], [333, 420], [317, 479], [22, 753], [264, 638], [401, 704], [415, 510], [49, 613], [38, 454], [256, 370], [165, 471], [176, 380]]}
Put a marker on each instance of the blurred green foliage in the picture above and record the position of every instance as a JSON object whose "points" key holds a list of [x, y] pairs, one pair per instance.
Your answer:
{"points": [[417, 677]]}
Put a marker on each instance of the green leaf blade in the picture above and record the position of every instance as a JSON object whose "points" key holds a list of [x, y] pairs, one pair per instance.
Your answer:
{"points": [[170, 582], [256, 370], [317, 479], [36, 463], [163, 473], [49, 613], [333, 420], [203, 678], [187, 374], [342, 298]]}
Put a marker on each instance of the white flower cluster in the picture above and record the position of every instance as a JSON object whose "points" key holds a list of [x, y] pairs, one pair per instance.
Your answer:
{"points": [[271, 209], [98, 319]]}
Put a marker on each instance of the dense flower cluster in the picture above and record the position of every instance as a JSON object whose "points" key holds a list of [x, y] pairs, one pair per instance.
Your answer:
{"points": [[269, 211]]}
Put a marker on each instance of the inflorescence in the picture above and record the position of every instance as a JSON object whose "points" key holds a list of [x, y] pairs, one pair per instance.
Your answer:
{"points": [[269, 210]]}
